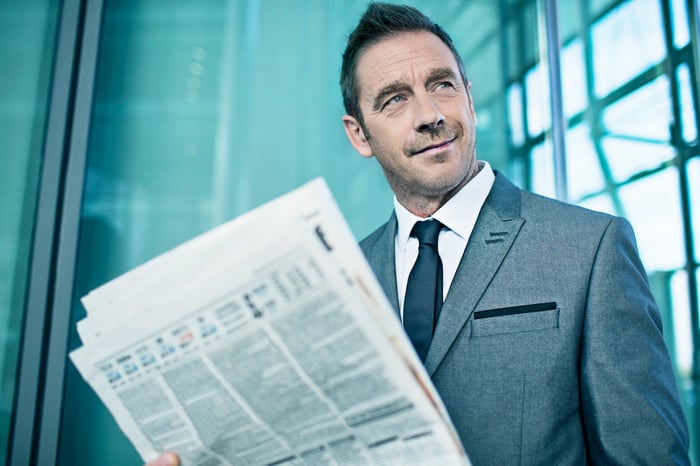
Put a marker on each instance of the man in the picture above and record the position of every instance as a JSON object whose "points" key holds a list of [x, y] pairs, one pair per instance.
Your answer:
{"points": [[545, 342]]}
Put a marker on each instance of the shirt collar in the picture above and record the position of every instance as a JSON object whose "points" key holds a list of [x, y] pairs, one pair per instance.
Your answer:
{"points": [[458, 214]]}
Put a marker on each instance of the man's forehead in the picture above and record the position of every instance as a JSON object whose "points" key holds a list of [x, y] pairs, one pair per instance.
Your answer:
{"points": [[406, 56]]}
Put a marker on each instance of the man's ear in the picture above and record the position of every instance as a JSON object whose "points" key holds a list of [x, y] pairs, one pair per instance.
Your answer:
{"points": [[356, 136]]}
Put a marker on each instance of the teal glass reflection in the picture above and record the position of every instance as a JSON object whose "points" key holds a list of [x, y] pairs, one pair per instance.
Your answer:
{"points": [[681, 32], [583, 164], [652, 205], [626, 41], [637, 134], [688, 117], [573, 78], [694, 185], [27, 34]]}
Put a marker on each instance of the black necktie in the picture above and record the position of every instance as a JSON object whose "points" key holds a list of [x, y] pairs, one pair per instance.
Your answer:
{"points": [[423, 298]]}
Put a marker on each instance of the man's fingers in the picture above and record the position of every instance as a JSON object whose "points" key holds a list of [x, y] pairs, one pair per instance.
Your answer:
{"points": [[166, 459]]}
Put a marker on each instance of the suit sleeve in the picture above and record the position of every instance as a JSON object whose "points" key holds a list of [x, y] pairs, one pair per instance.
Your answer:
{"points": [[630, 404]]}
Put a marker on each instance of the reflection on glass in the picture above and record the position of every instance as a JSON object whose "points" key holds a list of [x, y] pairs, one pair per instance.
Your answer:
{"points": [[573, 78], [653, 207], [539, 117], [627, 41], [694, 185], [583, 171], [628, 157], [681, 34], [690, 129], [515, 114], [637, 136], [542, 176], [681, 322], [643, 114]]}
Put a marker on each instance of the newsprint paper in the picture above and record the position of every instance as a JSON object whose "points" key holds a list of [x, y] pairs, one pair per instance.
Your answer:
{"points": [[265, 341]]}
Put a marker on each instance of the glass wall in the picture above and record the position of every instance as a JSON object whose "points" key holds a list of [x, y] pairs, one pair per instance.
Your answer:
{"points": [[204, 109], [27, 31]]}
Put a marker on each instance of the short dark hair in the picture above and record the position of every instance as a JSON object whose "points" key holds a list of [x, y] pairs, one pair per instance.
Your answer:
{"points": [[380, 21]]}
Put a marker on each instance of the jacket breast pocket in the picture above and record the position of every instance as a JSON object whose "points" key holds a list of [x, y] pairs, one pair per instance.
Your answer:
{"points": [[515, 319]]}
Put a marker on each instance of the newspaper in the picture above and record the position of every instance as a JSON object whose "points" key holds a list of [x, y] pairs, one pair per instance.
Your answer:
{"points": [[266, 341]]}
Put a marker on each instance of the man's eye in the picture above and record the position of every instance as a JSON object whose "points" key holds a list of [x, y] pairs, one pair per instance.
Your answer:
{"points": [[444, 85], [395, 100]]}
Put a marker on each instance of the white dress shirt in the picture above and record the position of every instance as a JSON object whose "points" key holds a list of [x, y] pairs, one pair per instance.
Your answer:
{"points": [[459, 215]]}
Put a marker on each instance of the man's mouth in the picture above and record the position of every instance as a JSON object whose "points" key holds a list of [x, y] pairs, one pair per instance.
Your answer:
{"points": [[438, 147]]}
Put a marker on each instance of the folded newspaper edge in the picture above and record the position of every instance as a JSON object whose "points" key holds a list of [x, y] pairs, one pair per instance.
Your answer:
{"points": [[267, 340]]}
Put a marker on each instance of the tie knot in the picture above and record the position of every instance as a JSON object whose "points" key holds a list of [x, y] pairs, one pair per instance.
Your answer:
{"points": [[427, 231]]}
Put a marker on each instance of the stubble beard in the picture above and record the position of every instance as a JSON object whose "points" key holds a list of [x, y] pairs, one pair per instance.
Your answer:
{"points": [[424, 194]]}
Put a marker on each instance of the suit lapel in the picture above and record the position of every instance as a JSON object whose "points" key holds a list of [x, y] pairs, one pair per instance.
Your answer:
{"points": [[381, 254], [493, 235]]}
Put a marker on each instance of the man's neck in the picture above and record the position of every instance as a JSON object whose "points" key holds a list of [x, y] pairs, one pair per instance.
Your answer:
{"points": [[424, 206]]}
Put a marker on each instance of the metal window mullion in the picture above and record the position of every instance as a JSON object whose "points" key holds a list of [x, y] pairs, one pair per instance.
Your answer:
{"points": [[694, 24], [39, 282], [67, 249], [672, 64], [556, 99]]}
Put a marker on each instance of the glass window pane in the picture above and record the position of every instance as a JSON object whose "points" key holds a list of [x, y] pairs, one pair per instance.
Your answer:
{"points": [[637, 136], [643, 114], [542, 175], [628, 157], [694, 187], [652, 205], [539, 115], [27, 31], [690, 127], [489, 133], [484, 71], [569, 16], [523, 39], [681, 34], [583, 169], [573, 78], [626, 41], [515, 114], [682, 327], [597, 6]]}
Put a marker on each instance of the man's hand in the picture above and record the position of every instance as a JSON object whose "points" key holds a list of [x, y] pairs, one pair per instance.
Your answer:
{"points": [[166, 459]]}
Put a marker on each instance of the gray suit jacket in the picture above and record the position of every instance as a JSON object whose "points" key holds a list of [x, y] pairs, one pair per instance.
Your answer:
{"points": [[549, 349]]}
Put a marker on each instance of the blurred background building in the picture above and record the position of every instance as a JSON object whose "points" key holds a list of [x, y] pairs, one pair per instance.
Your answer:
{"points": [[130, 126]]}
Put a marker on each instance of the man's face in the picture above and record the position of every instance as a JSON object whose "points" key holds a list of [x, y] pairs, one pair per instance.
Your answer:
{"points": [[419, 119]]}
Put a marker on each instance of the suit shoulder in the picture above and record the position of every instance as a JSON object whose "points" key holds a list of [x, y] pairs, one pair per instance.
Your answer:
{"points": [[510, 201], [540, 207], [367, 243]]}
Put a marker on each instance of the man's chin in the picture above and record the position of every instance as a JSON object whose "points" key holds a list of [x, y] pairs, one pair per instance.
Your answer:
{"points": [[441, 186]]}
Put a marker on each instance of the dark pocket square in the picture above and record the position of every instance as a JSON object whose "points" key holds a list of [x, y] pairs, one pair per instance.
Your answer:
{"points": [[515, 319], [507, 311]]}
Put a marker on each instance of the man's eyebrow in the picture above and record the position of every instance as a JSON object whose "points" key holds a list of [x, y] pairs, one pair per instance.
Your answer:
{"points": [[386, 91], [436, 74], [441, 73]]}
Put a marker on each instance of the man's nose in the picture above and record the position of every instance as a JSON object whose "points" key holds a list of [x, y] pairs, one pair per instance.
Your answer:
{"points": [[427, 116]]}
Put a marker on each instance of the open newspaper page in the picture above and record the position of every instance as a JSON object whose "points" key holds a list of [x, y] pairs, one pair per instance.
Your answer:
{"points": [[267, 341]]}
